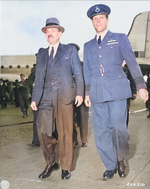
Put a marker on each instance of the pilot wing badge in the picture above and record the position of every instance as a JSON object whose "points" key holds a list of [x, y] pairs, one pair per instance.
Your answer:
{"points": [[112, 41]]}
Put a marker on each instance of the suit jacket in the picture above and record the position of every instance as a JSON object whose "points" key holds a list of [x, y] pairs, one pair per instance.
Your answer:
{"points": [[68, 64], [104, 77]]}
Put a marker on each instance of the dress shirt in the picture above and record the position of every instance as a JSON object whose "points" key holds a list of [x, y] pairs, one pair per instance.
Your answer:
{"points": [[55, 49]]}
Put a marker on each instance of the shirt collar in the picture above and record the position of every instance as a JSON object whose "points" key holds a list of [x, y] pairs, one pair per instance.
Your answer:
{"points": [[55, 48]]}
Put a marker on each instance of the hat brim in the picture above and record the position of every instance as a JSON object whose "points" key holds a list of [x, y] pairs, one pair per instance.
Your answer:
{"points": [[98, 14], [53, 26]]}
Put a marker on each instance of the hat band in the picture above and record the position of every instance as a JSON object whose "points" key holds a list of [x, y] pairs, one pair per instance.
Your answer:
{"points": [[50, 24]]}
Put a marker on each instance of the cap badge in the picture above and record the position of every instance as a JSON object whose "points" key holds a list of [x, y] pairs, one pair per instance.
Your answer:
{"points": [[97, 9]]}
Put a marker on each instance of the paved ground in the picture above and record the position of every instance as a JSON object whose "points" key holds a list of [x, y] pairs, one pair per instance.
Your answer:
{"points": [[21, 165]]}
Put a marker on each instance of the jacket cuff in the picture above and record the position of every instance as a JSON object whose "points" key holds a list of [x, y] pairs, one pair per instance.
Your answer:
{"points": [[140, 83], [87, 90]]}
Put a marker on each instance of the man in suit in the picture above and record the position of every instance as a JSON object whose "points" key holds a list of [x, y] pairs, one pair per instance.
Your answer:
{"points": [[54, 93], [107, 89]]}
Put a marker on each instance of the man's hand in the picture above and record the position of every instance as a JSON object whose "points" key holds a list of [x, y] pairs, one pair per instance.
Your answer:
{"points": [[143, 94], [134, 96], [78, 100], [33, 106], [87, 101]]}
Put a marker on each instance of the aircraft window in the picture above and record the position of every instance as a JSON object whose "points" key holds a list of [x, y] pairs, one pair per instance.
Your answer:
{"points": [[18, 66], [2, 67], [10, 66]]}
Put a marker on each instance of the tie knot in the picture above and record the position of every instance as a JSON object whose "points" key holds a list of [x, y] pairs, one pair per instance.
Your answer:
{"points": [[52, 50], [99, 40]]}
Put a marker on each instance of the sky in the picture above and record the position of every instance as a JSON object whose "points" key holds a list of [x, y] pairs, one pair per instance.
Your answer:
{"points": [[21, 22]]}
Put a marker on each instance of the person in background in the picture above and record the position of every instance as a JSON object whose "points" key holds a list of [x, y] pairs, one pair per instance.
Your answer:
{"points": [[107, 89], [16, 93], [23, 95], [4, 97], [35, 140], [148, 101], [132, 86], [80, 119]]}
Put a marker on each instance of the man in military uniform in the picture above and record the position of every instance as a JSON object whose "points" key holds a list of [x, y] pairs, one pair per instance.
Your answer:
{"points": [[23, 95], [107, 89]]}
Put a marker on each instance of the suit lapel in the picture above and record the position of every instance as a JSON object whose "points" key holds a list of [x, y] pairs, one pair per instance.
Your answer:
{"points": [[45, 57], [60, 52]]}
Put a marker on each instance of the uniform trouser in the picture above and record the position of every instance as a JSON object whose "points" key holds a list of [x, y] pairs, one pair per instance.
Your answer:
{"points": [[35, 132], [82, 116], [110, 130], [23, 103], [51, 108]]}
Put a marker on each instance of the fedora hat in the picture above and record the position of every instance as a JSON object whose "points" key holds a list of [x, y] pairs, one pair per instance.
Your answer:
{"points": [[52, 23]]}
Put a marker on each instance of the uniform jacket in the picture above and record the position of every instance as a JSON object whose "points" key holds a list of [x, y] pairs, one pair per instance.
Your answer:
{"points": [[104, 77], [68, 64]]}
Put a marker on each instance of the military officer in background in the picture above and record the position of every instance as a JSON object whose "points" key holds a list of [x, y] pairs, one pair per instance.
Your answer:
{"points": [[80, 119], [23, 95], [107, 89]]}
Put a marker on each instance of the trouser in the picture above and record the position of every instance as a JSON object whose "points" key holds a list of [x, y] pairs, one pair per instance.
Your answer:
{"points": [[81, 116], [23, 103], [51, 108], [110, 130], [35, 132]]}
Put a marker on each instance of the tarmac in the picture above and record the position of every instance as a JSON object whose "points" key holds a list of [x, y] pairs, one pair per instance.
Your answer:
{"points": [[20, 164]]}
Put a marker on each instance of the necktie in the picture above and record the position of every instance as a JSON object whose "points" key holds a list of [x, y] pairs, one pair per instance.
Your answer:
{"points": [[51, 55], [99, 40]]}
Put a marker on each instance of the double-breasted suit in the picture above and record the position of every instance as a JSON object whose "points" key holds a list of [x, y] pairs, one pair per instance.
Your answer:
{"points": [[54, 93], [108, 88]]}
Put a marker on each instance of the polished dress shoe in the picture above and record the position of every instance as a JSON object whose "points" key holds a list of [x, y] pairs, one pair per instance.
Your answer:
{"points": [[48, 170], [122, 168], [109, 174], [65, 174], [84, 144]]}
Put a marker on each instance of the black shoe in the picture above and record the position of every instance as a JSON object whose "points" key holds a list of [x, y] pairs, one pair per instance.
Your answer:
{"points": [[48, 170], [75, 144], [84, 144], [35, 145], [148, 116], [65, 174], [122, 168], [24, 115], [109, 174]]}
